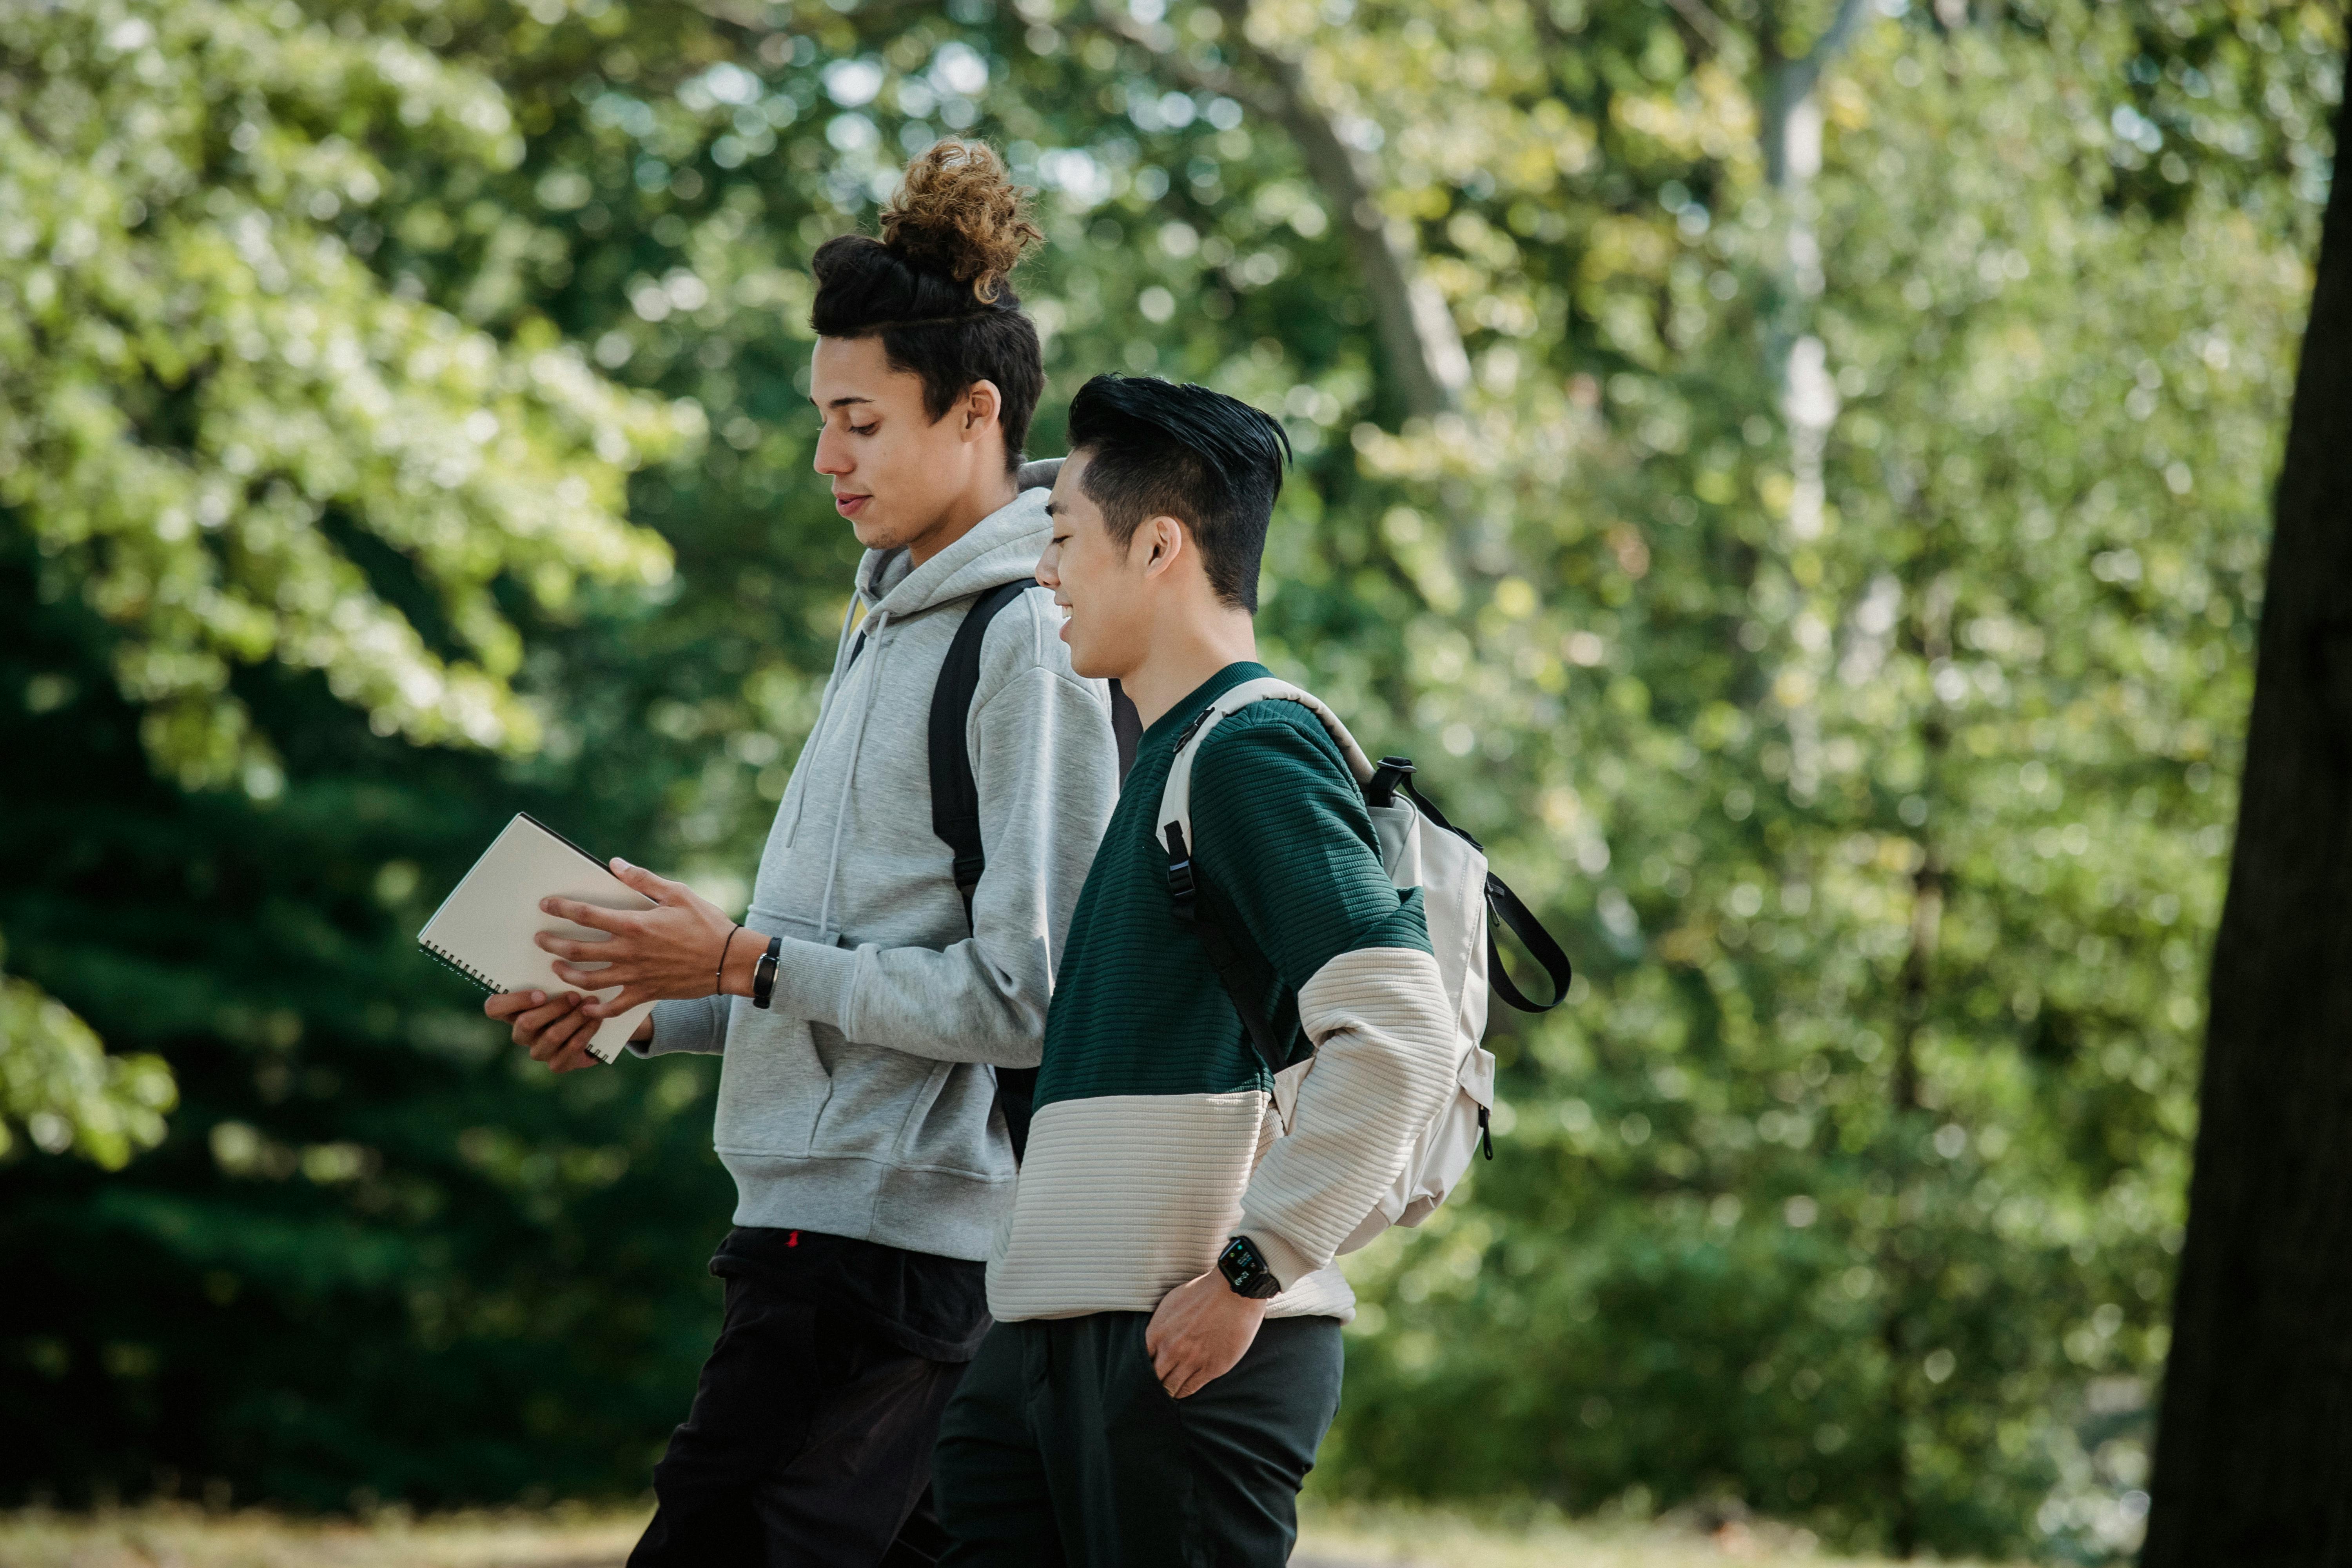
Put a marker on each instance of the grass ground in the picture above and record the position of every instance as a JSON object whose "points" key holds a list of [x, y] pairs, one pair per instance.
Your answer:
{"points": [[1331, 1537]]}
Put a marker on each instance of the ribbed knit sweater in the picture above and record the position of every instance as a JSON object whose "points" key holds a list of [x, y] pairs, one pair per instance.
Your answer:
{"points": [[1156, 1137]]}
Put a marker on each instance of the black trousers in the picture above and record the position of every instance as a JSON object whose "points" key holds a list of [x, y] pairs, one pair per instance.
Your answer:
{"points": [[1062, 1447], [808, 1446]]}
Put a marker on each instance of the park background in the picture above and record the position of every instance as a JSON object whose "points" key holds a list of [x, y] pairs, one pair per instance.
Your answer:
{"points": [[1794, 472]]}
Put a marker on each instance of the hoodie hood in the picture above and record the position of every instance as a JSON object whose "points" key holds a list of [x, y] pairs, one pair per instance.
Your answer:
{"points": [[1001, 547]]}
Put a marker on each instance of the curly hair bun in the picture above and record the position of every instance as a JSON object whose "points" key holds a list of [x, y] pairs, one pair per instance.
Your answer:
{"points": [[959, 213]]}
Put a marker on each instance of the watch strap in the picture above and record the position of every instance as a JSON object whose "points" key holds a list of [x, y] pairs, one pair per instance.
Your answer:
{"points": [[763, 974]]}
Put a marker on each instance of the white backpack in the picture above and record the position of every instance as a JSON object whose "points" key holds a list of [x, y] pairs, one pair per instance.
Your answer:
{"points": [[1419, 848]]}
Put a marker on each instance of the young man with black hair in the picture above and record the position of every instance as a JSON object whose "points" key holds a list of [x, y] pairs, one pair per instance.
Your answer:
{"points": [[1166, 1357], [880, 983]]}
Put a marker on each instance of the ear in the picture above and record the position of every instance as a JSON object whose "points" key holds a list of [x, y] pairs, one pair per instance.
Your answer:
{"points": [[1159, 544], [981, 407]]}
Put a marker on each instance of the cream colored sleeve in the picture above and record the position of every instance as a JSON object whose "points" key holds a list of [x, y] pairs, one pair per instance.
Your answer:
{"points": [[1385, 1060]]}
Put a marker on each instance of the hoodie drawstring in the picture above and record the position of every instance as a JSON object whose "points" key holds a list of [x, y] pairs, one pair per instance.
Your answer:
{"points": [[872, 632], [841, 643], [948, 569], [840, 659]]}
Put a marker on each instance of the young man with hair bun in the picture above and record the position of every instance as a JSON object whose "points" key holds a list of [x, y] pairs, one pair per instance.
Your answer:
{"points": [[1166, 1356], [867, 1003]]}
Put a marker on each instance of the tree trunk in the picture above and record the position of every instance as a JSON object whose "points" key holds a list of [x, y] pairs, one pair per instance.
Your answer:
{"points": [[1423, 349], [1420, 347], [2254, 1459], [1788, 133]]}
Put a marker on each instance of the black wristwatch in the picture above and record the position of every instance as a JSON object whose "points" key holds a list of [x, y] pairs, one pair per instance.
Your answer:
{"points": [[763, 973], [1244, 1269]]}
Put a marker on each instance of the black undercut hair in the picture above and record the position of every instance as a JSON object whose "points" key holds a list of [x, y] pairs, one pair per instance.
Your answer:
{"points": [[936, 286], [1158, 448]]}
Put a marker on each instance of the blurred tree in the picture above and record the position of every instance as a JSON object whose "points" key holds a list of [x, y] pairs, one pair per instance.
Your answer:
{"points": [[216, 425], [1899, 709], [2251, 1462], [239, 443], [230, 453], [58, 1084], [1420, 343]]}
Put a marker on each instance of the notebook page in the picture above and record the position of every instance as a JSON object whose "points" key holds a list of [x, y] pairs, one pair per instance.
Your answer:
{"points": [[486, 924]]}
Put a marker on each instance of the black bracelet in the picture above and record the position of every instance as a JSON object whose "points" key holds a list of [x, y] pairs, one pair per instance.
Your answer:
{"points": [[763, 976], [718, 976]]}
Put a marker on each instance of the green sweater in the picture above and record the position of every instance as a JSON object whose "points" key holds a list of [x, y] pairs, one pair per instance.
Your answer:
{"points": [[1155, 1138]]}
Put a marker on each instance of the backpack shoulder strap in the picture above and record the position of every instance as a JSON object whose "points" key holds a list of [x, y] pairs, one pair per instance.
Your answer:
{"points": [[1175, 830], [955, 797], [1125, 729], [1176, 799], [955, 807]]}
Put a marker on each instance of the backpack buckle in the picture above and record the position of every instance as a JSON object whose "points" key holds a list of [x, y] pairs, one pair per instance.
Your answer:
{"points": [[1179, 871], [1184, 736], [1381, 790]]}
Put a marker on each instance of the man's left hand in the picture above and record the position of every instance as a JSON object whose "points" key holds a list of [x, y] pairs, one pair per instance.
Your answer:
{"points": [[1200, 1332], [669, 951]]}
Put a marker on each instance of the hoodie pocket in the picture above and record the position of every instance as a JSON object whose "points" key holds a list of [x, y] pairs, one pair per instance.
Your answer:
{"points": [[771, 1088], [878, 1099], [954, 1125]]}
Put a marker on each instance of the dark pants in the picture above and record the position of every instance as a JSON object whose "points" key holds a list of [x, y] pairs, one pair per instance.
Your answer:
{"points": [[809, 1443], [1061, 1448]]}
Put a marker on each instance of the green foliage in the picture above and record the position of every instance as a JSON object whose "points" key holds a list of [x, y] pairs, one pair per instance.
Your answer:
{"points": [[376, 1251], [1850, 1186], [58, 1083], [227, 448], [216, 416], [1879, 785]]}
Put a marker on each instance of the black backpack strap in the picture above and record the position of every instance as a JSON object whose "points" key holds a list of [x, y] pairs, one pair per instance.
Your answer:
{"points": [[955, 807], [955, 797], [1184, 886], [1126, 728], [1538, 942]]}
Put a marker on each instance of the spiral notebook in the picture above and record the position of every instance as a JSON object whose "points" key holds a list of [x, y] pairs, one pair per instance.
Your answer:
{"points": [[483, 930]]}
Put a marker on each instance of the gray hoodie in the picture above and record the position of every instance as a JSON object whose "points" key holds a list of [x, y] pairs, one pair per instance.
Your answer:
{"points": [[862, 1102]]}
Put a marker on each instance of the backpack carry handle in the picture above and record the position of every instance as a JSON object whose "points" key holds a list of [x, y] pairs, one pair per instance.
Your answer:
{"points": [[1538, 942], [1508, 908], [1382, 787]]}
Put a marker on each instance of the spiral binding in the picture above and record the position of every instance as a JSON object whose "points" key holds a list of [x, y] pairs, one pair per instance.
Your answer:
{"points": [[449, 961]]}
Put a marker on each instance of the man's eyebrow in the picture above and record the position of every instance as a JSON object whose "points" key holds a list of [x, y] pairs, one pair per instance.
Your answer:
{"points": [[843, 402], [1054, 508]]}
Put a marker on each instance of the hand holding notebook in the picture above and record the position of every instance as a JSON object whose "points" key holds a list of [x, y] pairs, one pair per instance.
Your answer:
{"points": [[487, 928]]}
